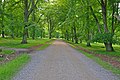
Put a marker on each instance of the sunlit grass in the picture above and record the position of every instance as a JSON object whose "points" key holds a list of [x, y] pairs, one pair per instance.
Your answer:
{"points": [[45, 46], [16, 43], [8, 70], [99, 48]]}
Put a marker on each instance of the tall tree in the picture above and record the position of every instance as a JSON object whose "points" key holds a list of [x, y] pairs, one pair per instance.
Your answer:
{"points": [[27, 11]]}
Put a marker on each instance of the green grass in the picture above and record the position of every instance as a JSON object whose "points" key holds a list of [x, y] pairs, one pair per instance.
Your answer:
{"points": [[7, 52], [8, 70], [102, 63], [45, 46], [16, 43], [97, 47], [1, 59]]}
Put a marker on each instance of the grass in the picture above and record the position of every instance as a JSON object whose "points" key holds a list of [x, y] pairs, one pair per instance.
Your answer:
{"points": [[16, 43], [102, 63], [8, 70], [7, 52], [1, 58], [99, 48], [45, 46]]}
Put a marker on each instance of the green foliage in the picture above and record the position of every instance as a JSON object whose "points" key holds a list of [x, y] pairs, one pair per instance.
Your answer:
{"points": [[8, 70], [104, 37]]}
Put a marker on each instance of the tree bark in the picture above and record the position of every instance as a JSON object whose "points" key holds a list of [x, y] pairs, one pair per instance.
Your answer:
{"points": [[104, 14], [109, 47], [88, 25], [33, 19], [75, 33], [72, 36], [67, 35], [24, 40], [97, 22], [113, 12], [2, 15]]}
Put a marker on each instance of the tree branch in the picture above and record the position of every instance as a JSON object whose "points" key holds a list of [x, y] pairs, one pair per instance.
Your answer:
{"points": [[32, 7]]}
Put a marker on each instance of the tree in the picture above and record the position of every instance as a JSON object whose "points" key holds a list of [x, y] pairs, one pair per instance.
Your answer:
{"points": [[27, 11]]}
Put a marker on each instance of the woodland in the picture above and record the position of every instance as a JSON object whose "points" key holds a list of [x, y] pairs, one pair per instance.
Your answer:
{"points": [[80, 21]]}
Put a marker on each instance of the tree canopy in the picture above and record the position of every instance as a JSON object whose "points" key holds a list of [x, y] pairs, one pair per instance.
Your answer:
{"points": [[75, 20]]}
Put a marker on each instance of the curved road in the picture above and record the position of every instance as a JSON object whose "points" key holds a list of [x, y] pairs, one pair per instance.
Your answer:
{"points": [[61, 62]]}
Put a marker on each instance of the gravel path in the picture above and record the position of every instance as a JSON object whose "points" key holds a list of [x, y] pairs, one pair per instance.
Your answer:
{"points": [[61, 62]]}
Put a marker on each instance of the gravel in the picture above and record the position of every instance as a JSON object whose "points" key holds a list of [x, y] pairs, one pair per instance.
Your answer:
{"points": [[61, 62]]}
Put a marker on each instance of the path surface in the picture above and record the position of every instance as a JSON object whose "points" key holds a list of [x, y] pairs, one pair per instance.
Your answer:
{"points": [[61, 62]]}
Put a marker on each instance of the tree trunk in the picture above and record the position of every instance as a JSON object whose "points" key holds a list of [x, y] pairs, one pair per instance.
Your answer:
{"points": [[41, 34], [109, 47], [113, 13], [33, 19], [67, 35], [2, 17], [50, 35], [88, 25], [75, 34], [88, 39], [80, 40], [24, 40], [72, 36], [33, 33], [88, 44], [96, 19], [104, 14], [3, 34]]}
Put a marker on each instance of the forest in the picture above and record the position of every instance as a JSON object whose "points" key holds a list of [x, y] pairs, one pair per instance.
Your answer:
{"points": [[75, 20]]}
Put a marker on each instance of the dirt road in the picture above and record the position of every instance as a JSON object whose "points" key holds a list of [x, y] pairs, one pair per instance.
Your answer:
{"points": [[61, 62]]}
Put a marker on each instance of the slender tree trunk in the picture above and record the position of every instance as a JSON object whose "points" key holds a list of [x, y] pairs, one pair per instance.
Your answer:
{"points": [[72, 36], [75, 33], [41, 34], [12, 35], [104, 14], [49, 27], [113, 12], [24, 40], [97, 22], [88, 39], [2, 15], [88, 25], [67, 35], [33, 19], [3, 32]]}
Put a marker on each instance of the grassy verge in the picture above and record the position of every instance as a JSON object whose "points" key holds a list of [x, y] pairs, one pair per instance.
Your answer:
{"points": [[7, 52], [45, 45], [104, 64], [8, 70], [16, 43]]}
